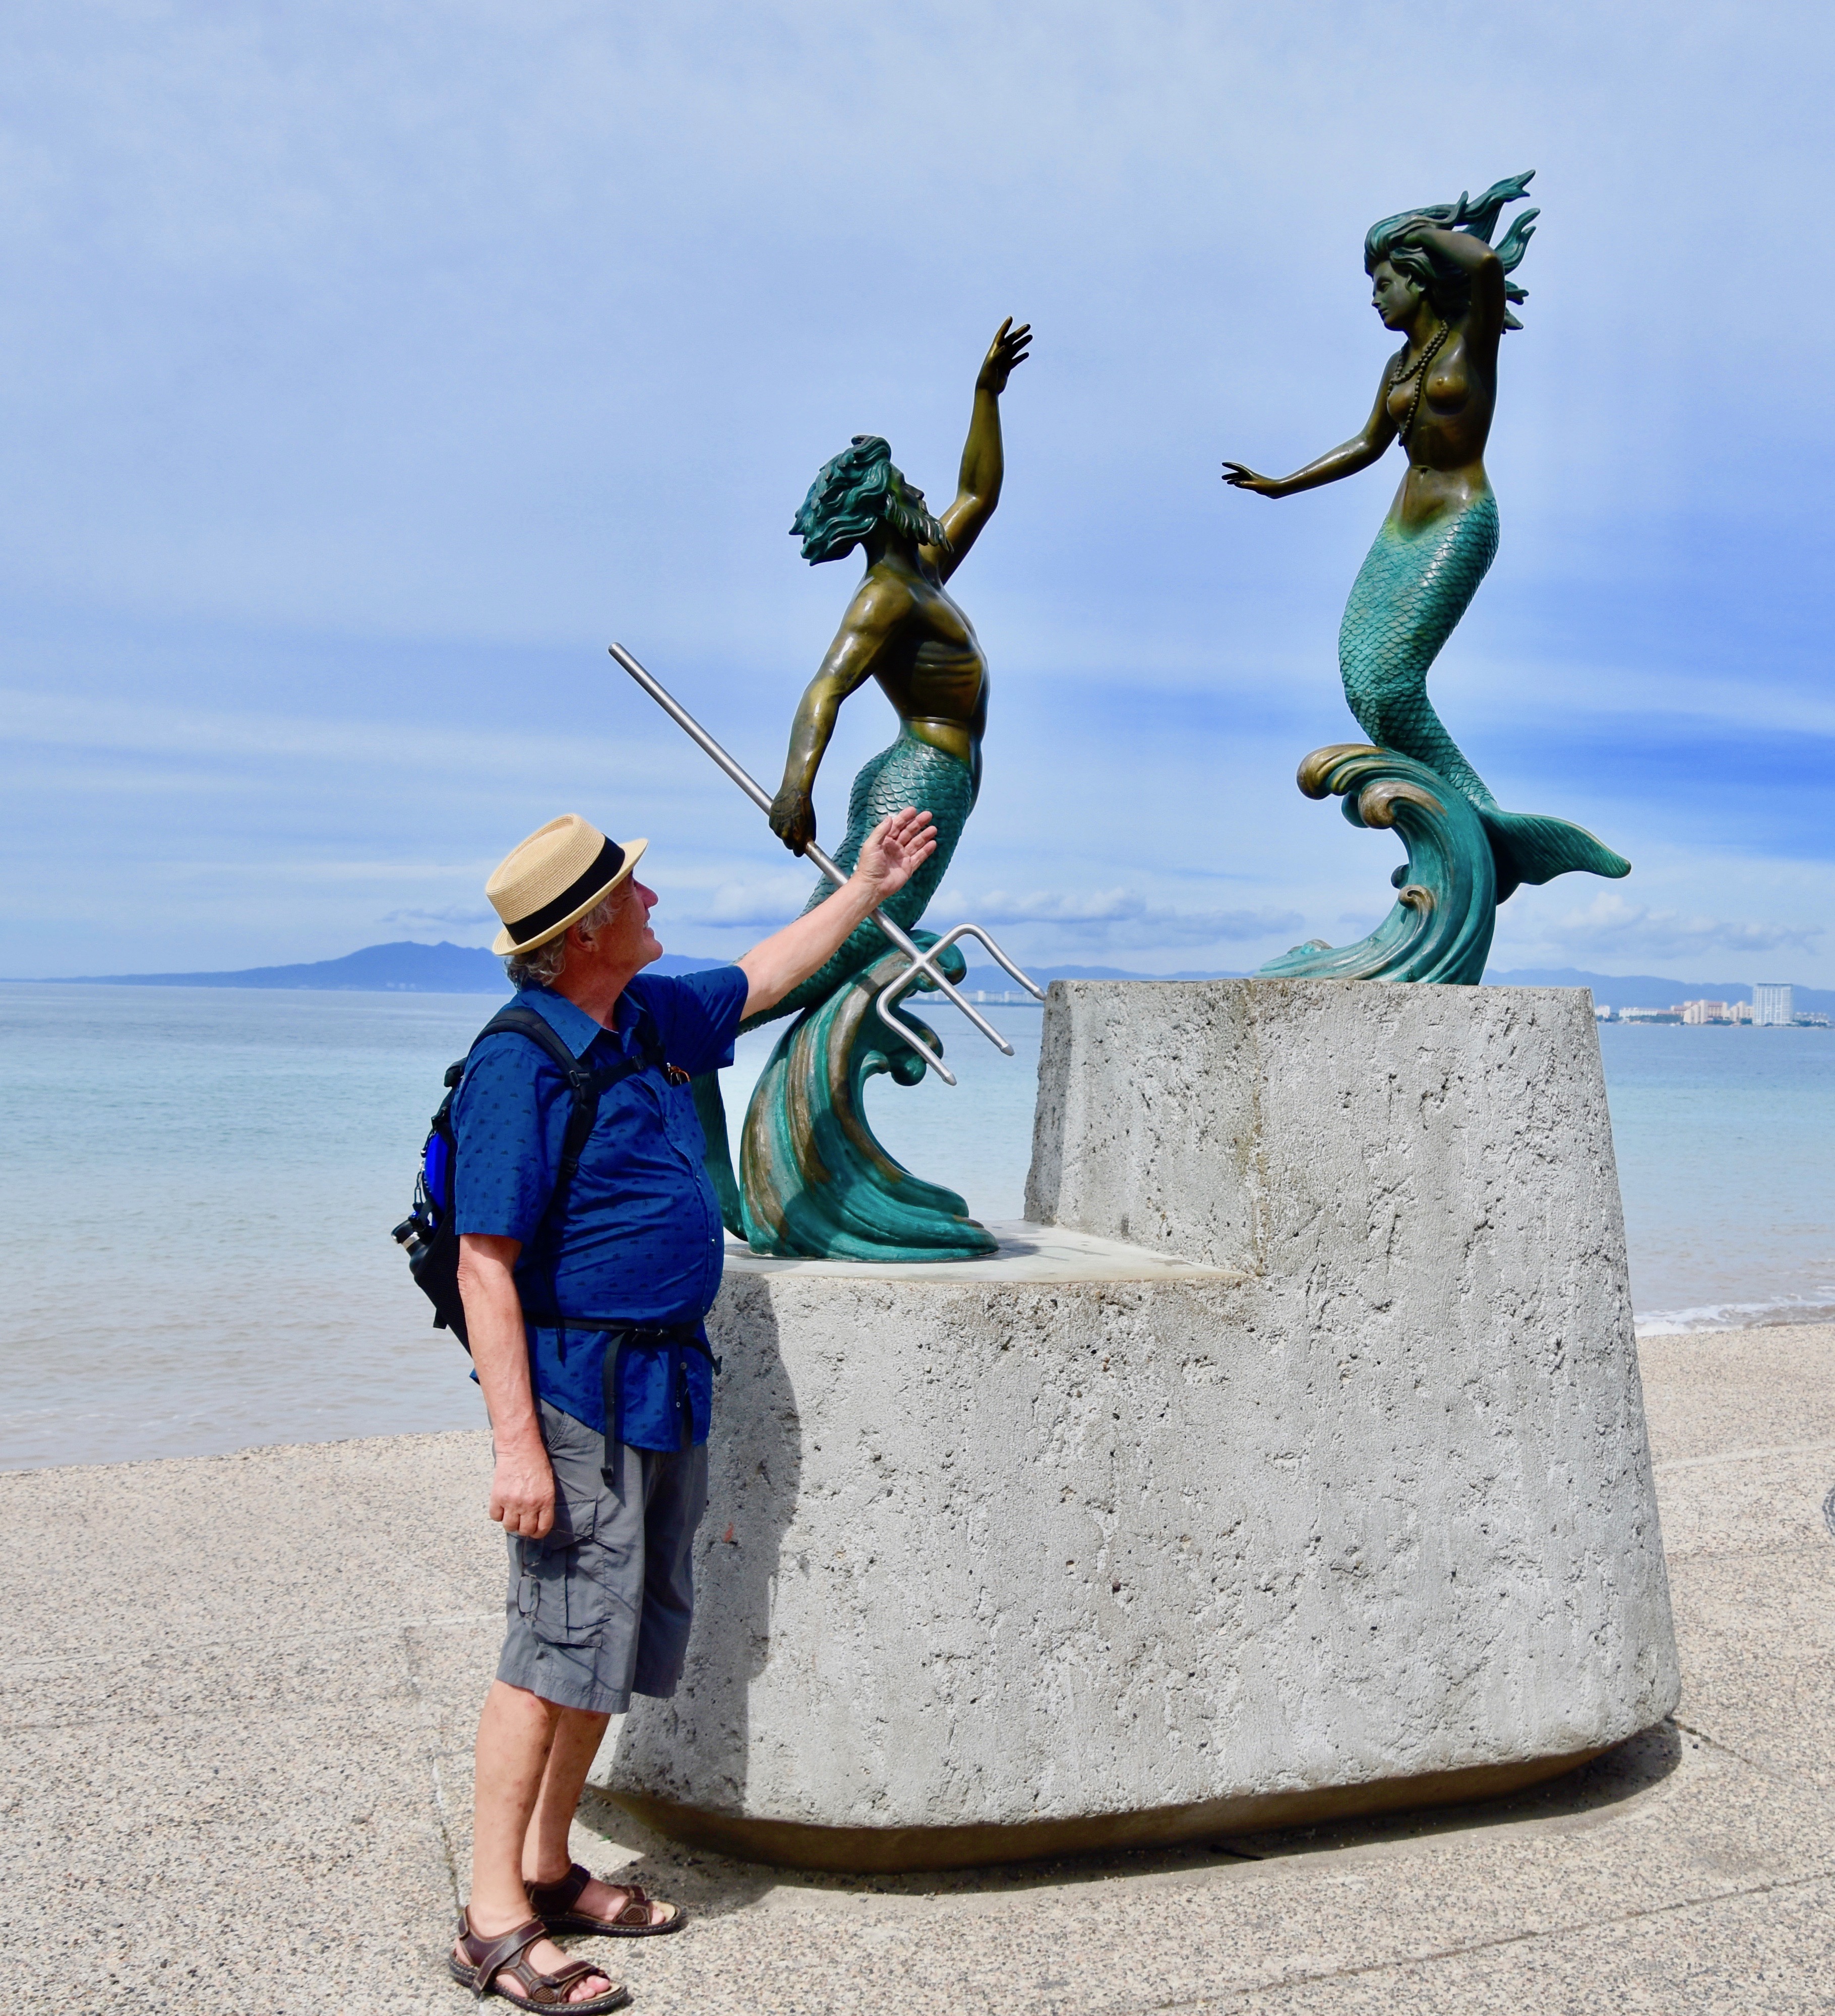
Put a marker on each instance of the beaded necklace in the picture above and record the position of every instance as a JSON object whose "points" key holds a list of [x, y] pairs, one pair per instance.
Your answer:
{"points": [[1419, 375]]}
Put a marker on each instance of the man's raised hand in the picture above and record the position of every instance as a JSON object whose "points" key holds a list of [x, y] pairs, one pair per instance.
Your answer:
{"points": [[894, 851]]}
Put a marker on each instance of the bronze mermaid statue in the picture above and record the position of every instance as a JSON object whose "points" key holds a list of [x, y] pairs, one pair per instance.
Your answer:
{"points": [[1437, 281]]}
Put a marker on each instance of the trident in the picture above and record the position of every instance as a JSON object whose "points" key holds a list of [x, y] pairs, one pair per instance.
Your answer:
{"points": [[923, 965]]}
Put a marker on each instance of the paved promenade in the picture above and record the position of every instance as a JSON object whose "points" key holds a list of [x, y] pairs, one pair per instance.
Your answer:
{"points": [[239, 1695]]}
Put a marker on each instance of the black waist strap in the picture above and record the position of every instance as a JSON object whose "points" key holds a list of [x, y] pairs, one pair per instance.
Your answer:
{"points": [[620, 1336], [646, 1336]]}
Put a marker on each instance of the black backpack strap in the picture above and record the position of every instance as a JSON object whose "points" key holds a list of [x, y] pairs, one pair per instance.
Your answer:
{"points": [[542, 1032], [586, 1085], [426, 1232]]}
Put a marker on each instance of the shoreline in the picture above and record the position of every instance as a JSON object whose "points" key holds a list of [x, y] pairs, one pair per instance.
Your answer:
{"points": [[286, 1126], [1716, 1322], [1812, 1321]]}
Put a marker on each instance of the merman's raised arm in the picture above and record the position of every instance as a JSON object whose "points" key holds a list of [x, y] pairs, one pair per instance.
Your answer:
{"points": [[977, 486]]}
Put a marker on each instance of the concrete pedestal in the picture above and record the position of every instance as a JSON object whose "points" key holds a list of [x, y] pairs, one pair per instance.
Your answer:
{"points": [[1327, 1493]]}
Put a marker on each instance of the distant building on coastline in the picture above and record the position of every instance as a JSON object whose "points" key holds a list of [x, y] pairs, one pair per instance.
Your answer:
{"points": [[1773, 1005]]}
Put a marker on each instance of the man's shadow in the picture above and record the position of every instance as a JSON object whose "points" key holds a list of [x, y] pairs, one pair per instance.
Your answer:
{"points": [[693, 1751]]}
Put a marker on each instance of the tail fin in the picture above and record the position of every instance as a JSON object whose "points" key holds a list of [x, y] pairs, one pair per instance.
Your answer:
{"points": [[710, 1109], [1530, 847]]}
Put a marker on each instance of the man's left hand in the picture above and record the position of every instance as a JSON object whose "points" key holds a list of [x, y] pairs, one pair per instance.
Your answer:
{"points": [[893, 852]]}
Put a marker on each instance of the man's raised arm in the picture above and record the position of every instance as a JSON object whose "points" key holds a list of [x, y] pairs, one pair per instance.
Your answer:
{"points": [[891, 854]]}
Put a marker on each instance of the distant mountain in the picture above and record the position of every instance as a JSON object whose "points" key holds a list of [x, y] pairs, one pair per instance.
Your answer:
{"points": [[407, 968], [401, 968], [993, 980], [1645, 990]]}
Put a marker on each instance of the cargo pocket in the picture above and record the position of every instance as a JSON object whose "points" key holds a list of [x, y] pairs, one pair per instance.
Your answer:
{"points": [[559, 1601], [577, 1454]]}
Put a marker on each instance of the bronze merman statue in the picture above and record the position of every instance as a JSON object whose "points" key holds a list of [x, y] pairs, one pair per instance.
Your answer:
{"points": [[1436, 280], [813, 1181], [902, 629]]}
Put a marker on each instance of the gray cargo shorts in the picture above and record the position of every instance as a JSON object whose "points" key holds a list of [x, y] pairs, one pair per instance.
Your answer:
{"points": [[599, 1610]]}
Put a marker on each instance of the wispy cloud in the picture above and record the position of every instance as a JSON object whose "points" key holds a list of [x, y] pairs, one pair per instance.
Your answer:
{"points": [[1096, 911], [241, 735], [452, 913], [345, 456], [764, 902], [1610, 926]]}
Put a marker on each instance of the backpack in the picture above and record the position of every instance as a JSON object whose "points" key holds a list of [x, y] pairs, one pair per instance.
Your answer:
{"points": [[426, 1232]]}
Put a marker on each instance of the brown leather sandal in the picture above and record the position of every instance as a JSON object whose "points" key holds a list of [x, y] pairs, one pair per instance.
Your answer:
{"points": [[553, 1903], [490, 1957]]}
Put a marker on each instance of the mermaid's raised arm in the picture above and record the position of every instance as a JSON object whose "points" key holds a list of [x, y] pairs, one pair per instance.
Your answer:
{"points": [[1368, 445], [1466, 253]]}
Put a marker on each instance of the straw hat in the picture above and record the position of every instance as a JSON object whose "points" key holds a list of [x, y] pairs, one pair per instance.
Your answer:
{"points": [[553, 879]]}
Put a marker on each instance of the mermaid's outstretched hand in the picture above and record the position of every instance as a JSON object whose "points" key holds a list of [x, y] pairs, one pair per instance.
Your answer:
{"points": [[1239, 476], [894, 851]]}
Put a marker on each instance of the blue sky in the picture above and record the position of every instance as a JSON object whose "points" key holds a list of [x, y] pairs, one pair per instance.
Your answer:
{"points": [[368, 368]]}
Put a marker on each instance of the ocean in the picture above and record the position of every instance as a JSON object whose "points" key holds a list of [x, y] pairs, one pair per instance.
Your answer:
{"points": [[198, 1185]]}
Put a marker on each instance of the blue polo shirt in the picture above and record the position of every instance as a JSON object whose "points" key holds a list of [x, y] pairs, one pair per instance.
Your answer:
{"points": [[638, 1238]]}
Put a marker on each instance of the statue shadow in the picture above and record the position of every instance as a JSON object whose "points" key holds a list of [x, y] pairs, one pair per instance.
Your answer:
{"points": [[1592, 1796], [694, 1748]]}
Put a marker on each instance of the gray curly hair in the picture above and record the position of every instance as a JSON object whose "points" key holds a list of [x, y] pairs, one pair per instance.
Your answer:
{"points": [[543, 964], [1449, 286]]}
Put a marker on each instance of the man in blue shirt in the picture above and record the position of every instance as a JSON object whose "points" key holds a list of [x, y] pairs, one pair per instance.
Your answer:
{"points": [[585, 1293]]}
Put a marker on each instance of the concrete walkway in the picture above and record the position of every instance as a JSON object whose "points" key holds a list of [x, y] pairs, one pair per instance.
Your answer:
{"points": [[239, 1695]]}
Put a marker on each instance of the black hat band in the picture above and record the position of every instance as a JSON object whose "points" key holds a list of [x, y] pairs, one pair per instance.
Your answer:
{"points": [[606, 869]]}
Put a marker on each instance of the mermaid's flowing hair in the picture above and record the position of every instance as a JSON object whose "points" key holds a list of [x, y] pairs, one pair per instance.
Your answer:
{"points": [[1449, 286], [851, 495]]}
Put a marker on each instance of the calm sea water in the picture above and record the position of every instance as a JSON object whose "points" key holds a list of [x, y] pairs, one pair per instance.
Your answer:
{"points": [[198, 1186]]}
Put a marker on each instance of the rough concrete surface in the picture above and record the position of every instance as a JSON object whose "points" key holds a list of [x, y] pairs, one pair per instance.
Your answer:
{"points": [[237, 1695], [1136, 1555], [1408, 1148], [1129, 1559]]}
